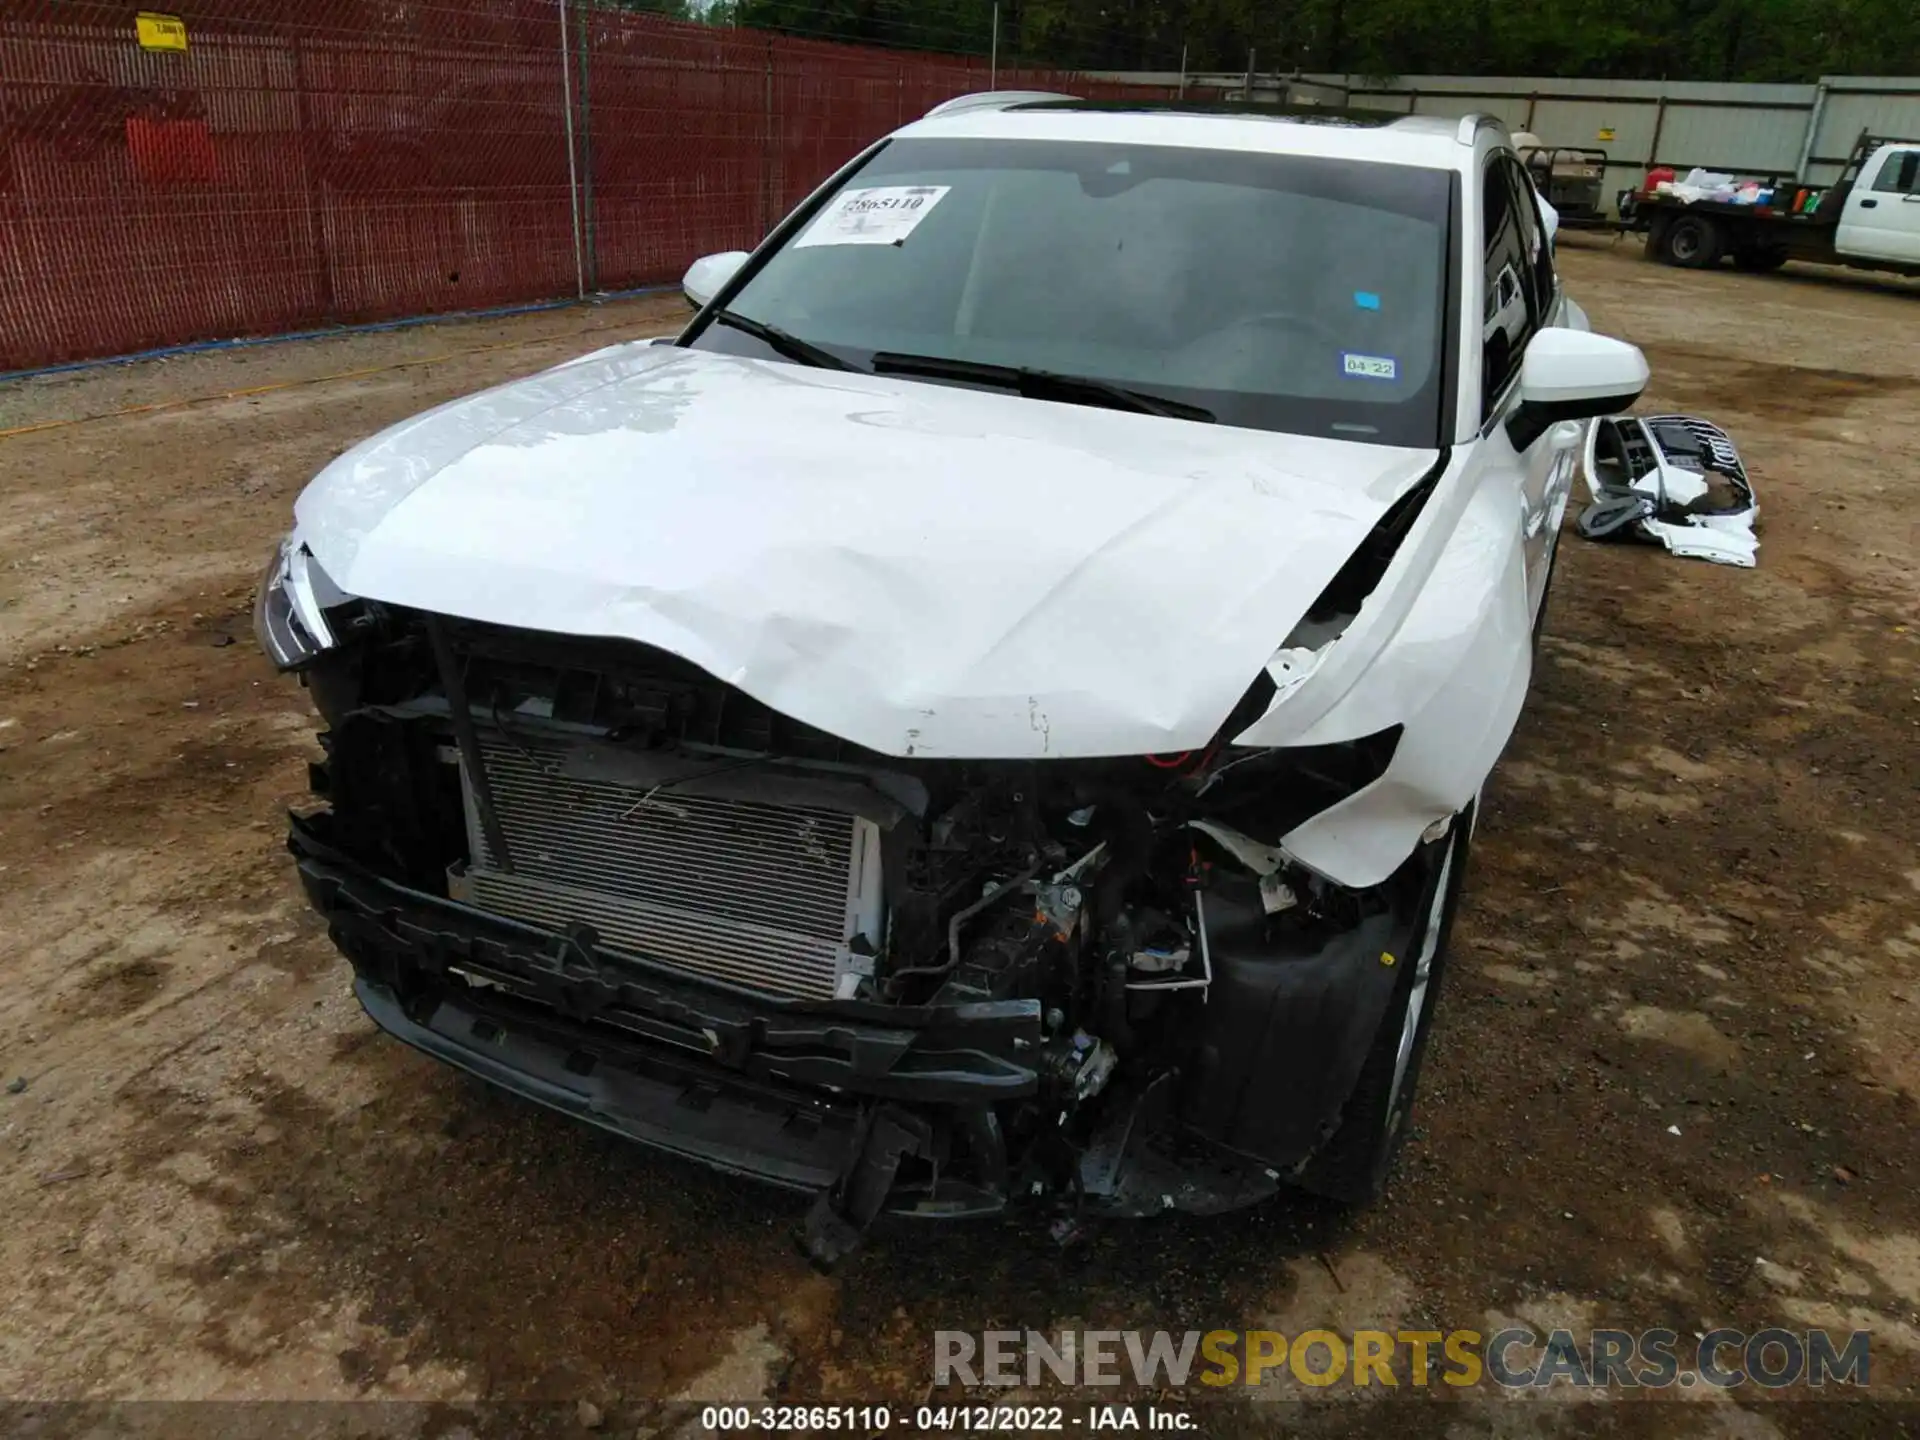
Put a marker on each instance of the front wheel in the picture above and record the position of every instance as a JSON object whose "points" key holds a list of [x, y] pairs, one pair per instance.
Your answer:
{"points": [[1352, 1166]]}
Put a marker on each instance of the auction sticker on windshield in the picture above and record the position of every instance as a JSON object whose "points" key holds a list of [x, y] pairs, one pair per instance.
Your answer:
{"points": [[882, 215]]}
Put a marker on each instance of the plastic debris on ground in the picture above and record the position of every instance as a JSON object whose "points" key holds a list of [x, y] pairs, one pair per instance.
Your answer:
{"points": [[1672, 480]]}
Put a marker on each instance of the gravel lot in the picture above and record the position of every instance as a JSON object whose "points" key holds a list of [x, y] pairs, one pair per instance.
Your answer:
{"points": [[1694, 906]]}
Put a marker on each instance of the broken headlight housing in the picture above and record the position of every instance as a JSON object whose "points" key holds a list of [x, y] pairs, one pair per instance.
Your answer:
{"points": [[289, 616], [1270, 789]]}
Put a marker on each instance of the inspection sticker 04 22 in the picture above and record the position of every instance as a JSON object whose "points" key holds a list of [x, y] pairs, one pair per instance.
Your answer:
{"points": [[1369, 367], [881, 215]]}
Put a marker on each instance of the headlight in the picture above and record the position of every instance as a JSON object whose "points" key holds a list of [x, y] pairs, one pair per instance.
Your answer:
{"points": [[287, 618]]}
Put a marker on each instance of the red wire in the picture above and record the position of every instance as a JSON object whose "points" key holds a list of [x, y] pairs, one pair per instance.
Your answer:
{"points": [[1176, 761]]}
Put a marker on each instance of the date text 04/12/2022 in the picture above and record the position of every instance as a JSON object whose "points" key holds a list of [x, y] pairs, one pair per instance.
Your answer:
{"points": [[940, 1419]]}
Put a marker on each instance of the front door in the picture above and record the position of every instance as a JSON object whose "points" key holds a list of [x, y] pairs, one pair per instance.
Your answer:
{"points": [[1522, 296], [1881, 220]]}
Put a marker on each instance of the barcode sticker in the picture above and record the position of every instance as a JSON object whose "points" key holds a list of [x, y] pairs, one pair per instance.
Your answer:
{"points": [[882, 215]]}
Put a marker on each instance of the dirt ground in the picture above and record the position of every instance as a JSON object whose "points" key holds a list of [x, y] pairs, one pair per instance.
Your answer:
{"points": [[1673, 1081]]}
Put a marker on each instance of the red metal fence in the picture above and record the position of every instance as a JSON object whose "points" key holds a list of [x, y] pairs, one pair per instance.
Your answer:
{"points": [[352, 160]]}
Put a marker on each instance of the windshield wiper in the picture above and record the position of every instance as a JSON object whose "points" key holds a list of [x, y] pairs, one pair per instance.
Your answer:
{"points": [[779, 341], [1037, 384]]}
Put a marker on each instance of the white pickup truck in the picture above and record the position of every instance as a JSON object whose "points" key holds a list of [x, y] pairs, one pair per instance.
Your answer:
{"points": [[1869, 219]]}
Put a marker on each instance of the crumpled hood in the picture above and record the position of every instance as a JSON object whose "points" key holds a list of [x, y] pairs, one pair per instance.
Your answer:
{"points": [[920, 569]]}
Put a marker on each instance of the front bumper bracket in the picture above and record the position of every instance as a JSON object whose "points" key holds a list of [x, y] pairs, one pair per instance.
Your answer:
{"points": [[843, 1211]]}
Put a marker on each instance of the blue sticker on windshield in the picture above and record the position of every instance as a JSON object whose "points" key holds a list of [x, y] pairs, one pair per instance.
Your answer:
{"points": [[1369, 367], [1366, 299]]}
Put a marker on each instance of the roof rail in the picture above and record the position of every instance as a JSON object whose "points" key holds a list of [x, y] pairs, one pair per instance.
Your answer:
{"points": [[993, 100]]}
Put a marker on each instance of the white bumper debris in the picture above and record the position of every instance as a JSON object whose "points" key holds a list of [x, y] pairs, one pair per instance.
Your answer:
{"points": [[1672, 480]]}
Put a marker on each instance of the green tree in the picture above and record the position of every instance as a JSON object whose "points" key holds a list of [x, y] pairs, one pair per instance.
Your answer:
{"points": [[1755, 40]]}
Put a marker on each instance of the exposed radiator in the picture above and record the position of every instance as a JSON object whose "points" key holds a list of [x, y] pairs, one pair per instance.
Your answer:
{"points": [[764, 896]]}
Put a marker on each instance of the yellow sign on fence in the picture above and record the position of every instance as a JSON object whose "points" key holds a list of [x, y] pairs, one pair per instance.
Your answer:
{"points": [[160, 32]]}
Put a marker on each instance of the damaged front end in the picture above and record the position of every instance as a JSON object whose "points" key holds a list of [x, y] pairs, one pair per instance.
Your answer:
{"points": [[592, 873]]}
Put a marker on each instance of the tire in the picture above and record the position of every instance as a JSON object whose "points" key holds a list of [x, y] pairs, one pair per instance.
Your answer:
{"points": [[1693, 242], [1352, 1167], [1759, 259]]}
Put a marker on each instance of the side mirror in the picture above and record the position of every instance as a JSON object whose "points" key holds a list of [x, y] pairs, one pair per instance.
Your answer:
{"points": [[1574, 375], [708, 275]]}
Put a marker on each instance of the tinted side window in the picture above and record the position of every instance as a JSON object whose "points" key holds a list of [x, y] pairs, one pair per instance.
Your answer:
{"points": [[1507, 321], [1897, 174]]}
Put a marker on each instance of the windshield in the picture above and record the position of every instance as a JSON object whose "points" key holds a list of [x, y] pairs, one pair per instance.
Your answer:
{"points": [[1272, 291]]}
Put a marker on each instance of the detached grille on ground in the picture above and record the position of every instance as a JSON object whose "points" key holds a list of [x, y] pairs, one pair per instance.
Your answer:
{"points": [[764, 896]]}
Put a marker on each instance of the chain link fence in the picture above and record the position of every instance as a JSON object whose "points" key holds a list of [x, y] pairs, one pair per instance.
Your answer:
{"points": [[259, 168]]}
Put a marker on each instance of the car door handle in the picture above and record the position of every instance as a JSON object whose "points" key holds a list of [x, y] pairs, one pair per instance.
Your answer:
{"points": [[1868, 204]]}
